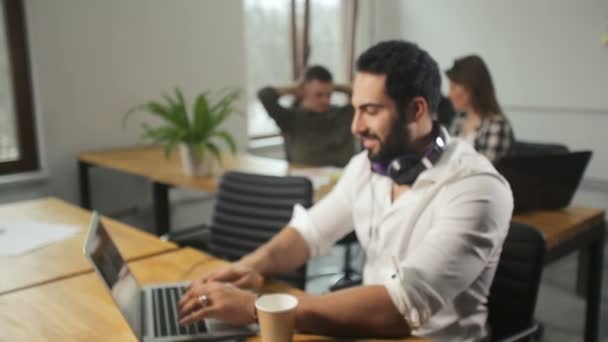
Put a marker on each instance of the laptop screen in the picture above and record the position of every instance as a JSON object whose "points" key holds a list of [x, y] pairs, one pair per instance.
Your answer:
{"points": [[112, 269], [547, 181]]}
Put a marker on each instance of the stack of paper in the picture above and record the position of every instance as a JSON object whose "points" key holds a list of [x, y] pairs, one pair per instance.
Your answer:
{"points": [[23, 236], [319, 176]]}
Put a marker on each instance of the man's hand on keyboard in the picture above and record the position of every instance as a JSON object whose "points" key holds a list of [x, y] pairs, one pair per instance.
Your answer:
{"points": [[239, 275], [219, 301]]}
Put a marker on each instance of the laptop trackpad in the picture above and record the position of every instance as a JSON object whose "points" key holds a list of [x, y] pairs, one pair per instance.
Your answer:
{"points": [[217, 326]]}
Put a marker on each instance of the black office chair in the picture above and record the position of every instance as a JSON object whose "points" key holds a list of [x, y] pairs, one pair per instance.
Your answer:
{"points": [[524, 148], [249, 210], [514, 291], [445, 112], [349, 274]]}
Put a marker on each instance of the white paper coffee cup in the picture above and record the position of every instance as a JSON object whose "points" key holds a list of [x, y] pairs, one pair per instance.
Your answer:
{"points": [[276, 316]]}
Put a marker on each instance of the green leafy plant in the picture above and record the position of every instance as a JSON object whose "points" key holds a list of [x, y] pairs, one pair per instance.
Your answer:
{"points": [[199, 128]]}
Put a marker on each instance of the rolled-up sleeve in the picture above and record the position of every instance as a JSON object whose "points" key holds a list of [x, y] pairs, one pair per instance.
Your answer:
{"points": [[329, 219], [467, 234]]}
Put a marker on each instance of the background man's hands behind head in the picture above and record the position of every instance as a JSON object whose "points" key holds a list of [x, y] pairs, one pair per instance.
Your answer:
{"points": [[299, 90]]}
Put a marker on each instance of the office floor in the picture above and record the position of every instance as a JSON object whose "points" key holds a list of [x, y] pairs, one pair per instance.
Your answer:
{"points": [[558, 308]]}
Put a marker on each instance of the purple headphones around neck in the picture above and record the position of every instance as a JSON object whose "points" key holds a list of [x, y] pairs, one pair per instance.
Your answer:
{"points": [[405, 169]]}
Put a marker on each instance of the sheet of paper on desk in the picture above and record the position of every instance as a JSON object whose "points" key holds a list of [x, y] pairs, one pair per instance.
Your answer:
{"points": [[319, 176], [20, 237]]}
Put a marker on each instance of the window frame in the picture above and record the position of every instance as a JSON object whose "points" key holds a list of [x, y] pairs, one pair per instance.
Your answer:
{"points": [[299, 37], [18, 56]]}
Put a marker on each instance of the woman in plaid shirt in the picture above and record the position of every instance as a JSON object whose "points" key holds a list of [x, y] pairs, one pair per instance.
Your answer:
{"points": [[480, 121]]}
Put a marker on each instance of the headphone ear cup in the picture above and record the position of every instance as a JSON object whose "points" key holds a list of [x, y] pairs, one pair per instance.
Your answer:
{"points": [[405, 169], [408, 176], [393, 169]]}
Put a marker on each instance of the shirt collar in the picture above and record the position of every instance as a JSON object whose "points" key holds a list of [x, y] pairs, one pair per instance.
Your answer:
{"points": [[459, 160]]}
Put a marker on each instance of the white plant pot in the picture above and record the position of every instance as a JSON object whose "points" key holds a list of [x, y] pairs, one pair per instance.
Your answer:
{"points": [[192, 164]]}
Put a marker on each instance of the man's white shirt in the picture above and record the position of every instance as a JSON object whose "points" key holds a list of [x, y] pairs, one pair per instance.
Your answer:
{"points": [[435, 248]]}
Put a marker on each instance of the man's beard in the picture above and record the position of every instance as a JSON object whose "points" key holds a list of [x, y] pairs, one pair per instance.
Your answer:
{"points": [[397, 143]]}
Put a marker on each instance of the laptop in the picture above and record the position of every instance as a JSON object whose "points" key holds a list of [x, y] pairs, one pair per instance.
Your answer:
{"points": [[151, 311], [544, 181]]}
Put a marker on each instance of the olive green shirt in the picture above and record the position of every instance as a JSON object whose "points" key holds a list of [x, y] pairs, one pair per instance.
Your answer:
{"points": [[312, 138]]}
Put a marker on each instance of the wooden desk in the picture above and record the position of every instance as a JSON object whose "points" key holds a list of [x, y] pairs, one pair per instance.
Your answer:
{"points": [[65, 259], [576, 230], [80, 309], [150, 163]]}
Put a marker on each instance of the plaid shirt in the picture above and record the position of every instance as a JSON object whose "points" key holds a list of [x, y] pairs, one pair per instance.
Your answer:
{"points": [[493, 138]]}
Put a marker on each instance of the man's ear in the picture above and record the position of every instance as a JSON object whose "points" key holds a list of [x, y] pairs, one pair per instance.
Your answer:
{"points": [[415, 109], [418, 108]]}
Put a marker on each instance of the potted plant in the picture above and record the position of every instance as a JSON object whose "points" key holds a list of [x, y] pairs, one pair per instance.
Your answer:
{"points": [[196, 132]]}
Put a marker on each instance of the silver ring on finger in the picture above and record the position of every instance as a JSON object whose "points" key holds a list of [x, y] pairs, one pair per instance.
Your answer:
{"points": [[203, 300]]}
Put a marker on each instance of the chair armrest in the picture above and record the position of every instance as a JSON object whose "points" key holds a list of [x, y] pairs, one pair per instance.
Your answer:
{"points": [[520, 336], [345, 283], [348, 239], [197, 237]]}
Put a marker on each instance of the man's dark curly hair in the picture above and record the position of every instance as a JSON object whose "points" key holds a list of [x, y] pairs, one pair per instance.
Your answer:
{"points": [[410, 72]]}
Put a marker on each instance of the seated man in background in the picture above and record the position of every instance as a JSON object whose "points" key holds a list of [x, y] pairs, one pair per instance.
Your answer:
{"points": [[315, 132], [431, 215]]}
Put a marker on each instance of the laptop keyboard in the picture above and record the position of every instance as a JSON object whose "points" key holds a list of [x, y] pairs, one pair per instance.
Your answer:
{"points": [[165, 303]]}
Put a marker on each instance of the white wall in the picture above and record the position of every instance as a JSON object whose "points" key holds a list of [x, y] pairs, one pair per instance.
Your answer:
{"points": [[95, 59], [546, 59]]}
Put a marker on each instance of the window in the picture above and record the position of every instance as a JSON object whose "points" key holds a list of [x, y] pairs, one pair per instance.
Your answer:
{"points": [[268, 27], [326, 36], [326, 40], [268, 56], [17, 139]]}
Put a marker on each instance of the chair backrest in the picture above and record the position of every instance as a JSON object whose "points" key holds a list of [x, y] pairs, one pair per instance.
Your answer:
{"points": [[514, 291], [523, 148], [445, 112], [250, 209], [286, 149]]}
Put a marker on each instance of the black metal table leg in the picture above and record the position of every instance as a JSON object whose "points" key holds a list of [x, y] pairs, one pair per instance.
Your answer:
{"points": [[582, 273], [347, 261], [594, 285], [161, 208], [83, 177]]}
